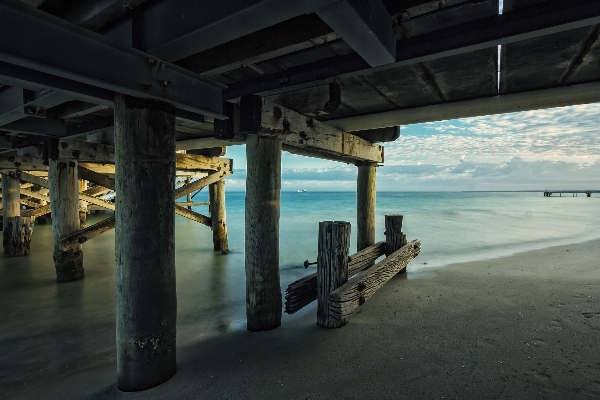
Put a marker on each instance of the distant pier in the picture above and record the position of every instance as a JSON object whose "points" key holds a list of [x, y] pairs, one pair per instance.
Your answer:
{"points": [[588, 193]]}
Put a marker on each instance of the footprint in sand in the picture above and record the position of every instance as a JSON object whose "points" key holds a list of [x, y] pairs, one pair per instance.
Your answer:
{"points": [[591, 391], [547, 382], [537, 342], [557, 323]]}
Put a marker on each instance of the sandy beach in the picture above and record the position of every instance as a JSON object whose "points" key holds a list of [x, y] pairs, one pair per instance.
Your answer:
{"points": [[525, 326]]}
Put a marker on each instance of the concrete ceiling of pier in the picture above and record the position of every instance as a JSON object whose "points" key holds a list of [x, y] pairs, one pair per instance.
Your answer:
{"points": [[283, 50]]}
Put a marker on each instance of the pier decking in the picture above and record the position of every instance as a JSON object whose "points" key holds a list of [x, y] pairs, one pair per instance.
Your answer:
{"points": [[588, 193], [110, 94]]}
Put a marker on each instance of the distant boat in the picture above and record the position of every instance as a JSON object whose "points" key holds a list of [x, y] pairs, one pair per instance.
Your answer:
{"points": [[300, 191]]}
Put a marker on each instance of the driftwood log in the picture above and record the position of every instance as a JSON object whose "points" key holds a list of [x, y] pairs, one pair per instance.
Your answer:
{"points": [[21, 235], [304, 291], [348, 297]]}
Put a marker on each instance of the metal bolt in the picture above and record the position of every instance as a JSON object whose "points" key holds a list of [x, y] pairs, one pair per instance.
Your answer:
{"points": [[277, 113], [11, 158], [164, 84], [151, 61], [76, 153], [307, 264]]}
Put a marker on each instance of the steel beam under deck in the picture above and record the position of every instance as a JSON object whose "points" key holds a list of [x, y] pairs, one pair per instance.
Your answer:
{"points": [[36, 41]]}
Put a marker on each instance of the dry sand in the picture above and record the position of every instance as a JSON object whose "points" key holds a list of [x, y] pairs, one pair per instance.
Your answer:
{"points": [[525, 326]]}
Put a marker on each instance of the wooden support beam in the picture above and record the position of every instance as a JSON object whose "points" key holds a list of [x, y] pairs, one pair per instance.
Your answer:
{"points": [[21, 236], [25, 163], [379, 135], [348, 297], [200, 183], [303, 135], [366, 26], [332, 268], [83, 235], [145, 242], [98, 179], [302, 292], [194, 216], [263, 186], [37, 212], [35, 195], [365, 205], [64, 205], [10, 208], [216, 195], [196, 162]]}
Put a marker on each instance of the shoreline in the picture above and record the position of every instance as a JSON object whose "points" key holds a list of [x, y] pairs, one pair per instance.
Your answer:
{"points": [[524, 326]]}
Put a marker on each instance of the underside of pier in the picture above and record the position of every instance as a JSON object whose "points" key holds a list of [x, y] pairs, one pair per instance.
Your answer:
{"points": [[130, 95]]}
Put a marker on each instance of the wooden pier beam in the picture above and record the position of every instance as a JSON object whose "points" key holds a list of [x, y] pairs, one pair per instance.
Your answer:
{"points": [[216, 193], [11, 208], [83, 205], [263, 186], [64, 206], [332, 268], [21, 236], [145, 242], [365, 205], [394, 238]]}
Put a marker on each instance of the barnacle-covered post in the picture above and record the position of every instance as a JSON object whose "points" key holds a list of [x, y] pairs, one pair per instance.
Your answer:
{"points": [[11, 208]]}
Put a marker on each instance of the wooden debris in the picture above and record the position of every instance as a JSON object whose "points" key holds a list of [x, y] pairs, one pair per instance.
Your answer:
{"points": [[304, 291], [348, 297]]}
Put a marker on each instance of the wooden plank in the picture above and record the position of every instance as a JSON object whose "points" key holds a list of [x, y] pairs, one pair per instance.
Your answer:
{"points": [[35, 195], [94, 177], [27, 177], [261, 117], [86, 152], [86, 234], [37, 212], [196, 162], [13, 162], [194, 216], [109, 205], [200, 183], [348, 297], [304, 291]]}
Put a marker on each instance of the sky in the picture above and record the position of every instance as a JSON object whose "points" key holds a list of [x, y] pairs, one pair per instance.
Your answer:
{"points": [[556, 148]]}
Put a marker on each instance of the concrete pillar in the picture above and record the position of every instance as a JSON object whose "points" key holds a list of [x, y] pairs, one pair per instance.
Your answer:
{"points": [[365, 205], [216, 193], [145, 242], [263, 186], [64, 206], [83, 205], [11, 208]]}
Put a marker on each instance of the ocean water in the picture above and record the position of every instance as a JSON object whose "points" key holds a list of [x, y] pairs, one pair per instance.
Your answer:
{"points": [[49, 331]]}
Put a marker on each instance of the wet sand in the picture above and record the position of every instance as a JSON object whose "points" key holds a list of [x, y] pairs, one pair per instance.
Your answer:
{"points": [[524, 326]]}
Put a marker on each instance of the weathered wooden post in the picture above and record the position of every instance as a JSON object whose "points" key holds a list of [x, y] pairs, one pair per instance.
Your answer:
{"points": [[21, 236], [189, 196], [365, 205], [216, 193], [145, 242], [394, 238], [83, 205], [11, 208], [263, 186], [332, 267], [64, 206]]}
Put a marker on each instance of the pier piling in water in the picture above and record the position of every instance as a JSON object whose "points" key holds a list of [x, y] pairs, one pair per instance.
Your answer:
{"points": [[365, 204], [11, 208], [332, 267], [216, 193], [263, 186], [64, 205], [21, 236], [145, 242], [394, 238]]}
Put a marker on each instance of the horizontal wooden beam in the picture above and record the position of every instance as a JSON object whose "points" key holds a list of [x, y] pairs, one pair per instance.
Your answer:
{"points": [[306, 135], [37, 212], [351, 295], [83, 235], [584, 93], [13, 162], [94, 177]]}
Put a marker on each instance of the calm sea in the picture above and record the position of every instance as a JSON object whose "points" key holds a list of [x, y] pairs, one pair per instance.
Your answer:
{"points": [[49, 330]]}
